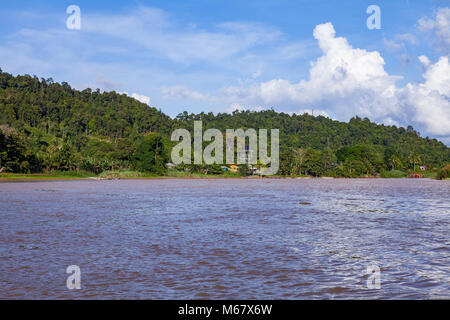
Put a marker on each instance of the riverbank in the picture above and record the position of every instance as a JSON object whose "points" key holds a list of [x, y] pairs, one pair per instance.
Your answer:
{"points": [[111, 175], [37, 177], [34, 177]]}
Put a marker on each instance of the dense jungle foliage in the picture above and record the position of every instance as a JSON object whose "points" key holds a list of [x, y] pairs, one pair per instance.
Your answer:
{"points": [[46, 126]]}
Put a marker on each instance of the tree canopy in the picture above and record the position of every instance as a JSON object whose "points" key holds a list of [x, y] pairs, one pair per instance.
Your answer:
{"points": [[46, 125]]}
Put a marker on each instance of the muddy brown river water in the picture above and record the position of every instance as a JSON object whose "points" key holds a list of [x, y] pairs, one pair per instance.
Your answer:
{"points": [[226, 238]]}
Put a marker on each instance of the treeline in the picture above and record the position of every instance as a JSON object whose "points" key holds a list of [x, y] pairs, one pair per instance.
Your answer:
{"points": [[47, 126]]}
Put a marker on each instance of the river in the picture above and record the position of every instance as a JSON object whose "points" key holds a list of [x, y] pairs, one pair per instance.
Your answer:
{"points": [[226, 239]]}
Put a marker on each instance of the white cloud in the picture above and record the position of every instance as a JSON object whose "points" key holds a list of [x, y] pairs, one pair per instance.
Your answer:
{"points": [[407, 38], [183, 93], [437, 77], [238, 107], [153, 30], [440, 25], [390, 122], [139, 97], [392, 45], [313, 112], [347, 81], [235, 107], [425, 61], [430, 100], [137, 42], [399, 41]]}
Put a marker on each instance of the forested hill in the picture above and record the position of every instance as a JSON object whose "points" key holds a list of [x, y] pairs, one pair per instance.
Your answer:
{"points": [[60, 110], [306, 131], [46, 126]]}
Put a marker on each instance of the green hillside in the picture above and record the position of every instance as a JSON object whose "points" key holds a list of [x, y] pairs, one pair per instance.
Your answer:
{"points": [[46, 126]]}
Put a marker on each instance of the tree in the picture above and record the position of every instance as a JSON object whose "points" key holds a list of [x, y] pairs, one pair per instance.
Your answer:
{"points": [[312, 163], [444, 173], [14, 156], [244, 170], [328, 159], [395, 162], [151, 154], [298, 159], [414, 159], [64, 158], [3, 154]]}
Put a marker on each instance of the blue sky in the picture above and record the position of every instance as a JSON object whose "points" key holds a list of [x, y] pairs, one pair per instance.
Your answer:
{"points": [[218, 56]]}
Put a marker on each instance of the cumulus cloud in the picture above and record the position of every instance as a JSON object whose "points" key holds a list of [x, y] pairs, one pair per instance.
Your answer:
{"points": [[430, 100], [344, 78], [347, 81], [440, 25], [437, 77]]}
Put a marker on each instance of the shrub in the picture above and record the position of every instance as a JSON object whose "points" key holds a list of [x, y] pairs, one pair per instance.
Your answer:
{"points": [[393, 174], [444, 173]]}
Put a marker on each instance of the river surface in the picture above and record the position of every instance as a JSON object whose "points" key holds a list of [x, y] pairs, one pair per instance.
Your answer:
{"points": [[226, 239]]}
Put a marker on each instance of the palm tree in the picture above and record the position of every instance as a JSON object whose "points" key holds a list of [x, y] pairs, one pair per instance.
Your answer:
{"points": [[414, 158], [395, 161]]}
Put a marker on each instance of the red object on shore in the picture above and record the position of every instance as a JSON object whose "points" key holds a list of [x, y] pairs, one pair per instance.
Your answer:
{"points": [[416, 175]]}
